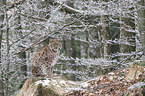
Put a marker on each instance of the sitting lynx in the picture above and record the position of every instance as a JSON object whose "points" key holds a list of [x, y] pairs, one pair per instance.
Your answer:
{"points": [[45, 59]]}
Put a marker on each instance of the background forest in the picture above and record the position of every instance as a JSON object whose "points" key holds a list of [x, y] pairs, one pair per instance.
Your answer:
{"points": [[97, 36]]}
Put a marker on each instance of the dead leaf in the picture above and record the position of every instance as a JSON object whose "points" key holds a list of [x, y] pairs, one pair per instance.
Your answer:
{"points": [[21, 48], [14, 40], [13, 11]]}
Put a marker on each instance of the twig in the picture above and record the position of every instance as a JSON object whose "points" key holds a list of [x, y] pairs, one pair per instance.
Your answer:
{"points": [[81, 26], [40, 41], [69, 9], [22, 37], [72, 22], [38, 18], [15, 4], [118, 65]]}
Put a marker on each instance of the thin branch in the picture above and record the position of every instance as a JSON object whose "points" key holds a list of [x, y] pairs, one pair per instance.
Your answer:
{"points": [[71, 22], [59, 30], [119, 64], [22, 37], [40, 41], [9, 17], [81, 26], [69, 9], [38, 18], [15, 4], [72, 10]]}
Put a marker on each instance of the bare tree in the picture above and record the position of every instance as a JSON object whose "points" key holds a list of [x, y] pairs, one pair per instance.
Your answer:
{"points": [[141, 22], [127, 36], [105, 35], [2, 3]]}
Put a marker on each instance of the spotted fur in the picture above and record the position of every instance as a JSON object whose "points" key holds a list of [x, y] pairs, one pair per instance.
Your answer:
{"points": [[45, 59]]}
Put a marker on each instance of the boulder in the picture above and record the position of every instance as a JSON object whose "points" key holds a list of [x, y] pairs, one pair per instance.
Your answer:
{"points": [[53, 86]]}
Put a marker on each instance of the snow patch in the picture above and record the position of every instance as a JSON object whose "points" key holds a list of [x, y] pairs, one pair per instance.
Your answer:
{"points": [[111, 73], [85, 84], [44, 82]]}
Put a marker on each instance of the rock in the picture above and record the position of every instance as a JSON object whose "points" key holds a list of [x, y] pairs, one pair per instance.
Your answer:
{"points": [[54, 86]]}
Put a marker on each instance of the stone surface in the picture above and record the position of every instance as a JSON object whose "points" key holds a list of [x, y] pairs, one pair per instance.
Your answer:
{"points": [[54, 86]]}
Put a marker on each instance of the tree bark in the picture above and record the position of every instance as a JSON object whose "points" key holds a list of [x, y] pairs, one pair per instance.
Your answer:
{"points": [[105, 36], [7, 56], [141, 22], [127, 37], [2, 2], [22, 54], [105, 32], [70, 51]]}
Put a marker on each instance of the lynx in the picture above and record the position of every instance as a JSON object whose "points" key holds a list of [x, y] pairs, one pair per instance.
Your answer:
{"points": [[45, 59]]}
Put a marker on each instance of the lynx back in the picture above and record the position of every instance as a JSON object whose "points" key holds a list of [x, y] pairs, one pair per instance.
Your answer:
{"points": [[45, 59]]}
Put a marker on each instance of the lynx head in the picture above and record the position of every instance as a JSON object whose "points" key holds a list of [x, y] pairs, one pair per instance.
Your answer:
{"points": [[55, 45]]}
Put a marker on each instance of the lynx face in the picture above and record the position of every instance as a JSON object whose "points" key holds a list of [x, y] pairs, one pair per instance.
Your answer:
{"points": [[45, 59], [55, 45]]}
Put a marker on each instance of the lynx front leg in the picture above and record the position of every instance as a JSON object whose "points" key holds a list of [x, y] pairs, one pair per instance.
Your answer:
{"points": [[50, 71], [52, 67]]}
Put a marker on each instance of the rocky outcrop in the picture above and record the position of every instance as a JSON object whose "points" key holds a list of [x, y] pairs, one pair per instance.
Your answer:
{"points": [[54, 86], [111, 84]]}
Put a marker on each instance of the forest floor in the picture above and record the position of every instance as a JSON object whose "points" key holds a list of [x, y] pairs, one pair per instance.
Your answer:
{"points": [[118, 83]]}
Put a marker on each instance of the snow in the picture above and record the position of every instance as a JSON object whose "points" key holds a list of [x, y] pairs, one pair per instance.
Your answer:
{"points": [[43, 82], [85, 84], [111, 73]]}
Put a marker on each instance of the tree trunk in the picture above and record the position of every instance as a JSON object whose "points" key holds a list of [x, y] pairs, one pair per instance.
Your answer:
{"points": [[105, 32], [7, 56], [105, 36], [127, 37], [87, 48], [141, 22], [2, 2], [22, 55], [70, 51]]}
